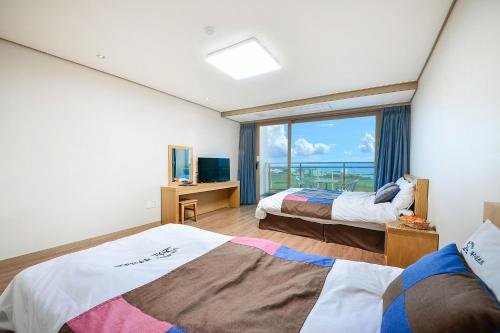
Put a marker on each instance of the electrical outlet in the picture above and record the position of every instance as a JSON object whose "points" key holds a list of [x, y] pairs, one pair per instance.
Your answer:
{"points": [[150, 204]]}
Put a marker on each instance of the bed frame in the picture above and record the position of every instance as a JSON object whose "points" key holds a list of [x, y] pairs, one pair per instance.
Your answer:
{"points": [[491, 211], [363, 238], [420, 206]]}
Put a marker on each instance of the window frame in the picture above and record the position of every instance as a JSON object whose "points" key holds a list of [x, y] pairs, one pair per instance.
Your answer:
{"points": [[289, 121]]}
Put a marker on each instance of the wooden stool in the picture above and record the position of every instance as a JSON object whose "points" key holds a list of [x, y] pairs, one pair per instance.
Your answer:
{"points": [[189, 204]]}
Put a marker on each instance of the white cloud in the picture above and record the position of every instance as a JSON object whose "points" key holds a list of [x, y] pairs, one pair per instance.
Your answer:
{"points": [[326, 125], [305, 148], [276, 141], [368, 144], [348, 153]]}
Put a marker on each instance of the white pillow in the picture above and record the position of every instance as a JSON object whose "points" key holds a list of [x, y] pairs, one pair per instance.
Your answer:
{"points": [[482, 253], [407, 212], [403, 183], [404, 198]]}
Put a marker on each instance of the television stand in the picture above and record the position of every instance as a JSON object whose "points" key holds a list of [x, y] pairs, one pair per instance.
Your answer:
{"points": [[211, 196]]}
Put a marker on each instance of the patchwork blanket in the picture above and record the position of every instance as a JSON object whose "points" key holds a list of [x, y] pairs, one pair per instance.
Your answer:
{"points": [[244, 285], [310, 203]]}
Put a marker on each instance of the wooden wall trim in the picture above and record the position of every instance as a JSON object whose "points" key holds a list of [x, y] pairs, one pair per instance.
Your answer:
{"points": [[326, 98], [450, 10], [107, 73]]}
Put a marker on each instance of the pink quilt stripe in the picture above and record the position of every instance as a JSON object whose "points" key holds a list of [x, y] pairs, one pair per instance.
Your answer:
{"points": [[295, 198], [117, 315], [267, 246]]}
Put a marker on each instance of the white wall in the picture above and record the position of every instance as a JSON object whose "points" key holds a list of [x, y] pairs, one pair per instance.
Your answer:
{"points": [[456, 120], [81, 152]]}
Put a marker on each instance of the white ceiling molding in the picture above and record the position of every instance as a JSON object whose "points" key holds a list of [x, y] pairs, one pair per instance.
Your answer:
{"points": [[319, 109]]}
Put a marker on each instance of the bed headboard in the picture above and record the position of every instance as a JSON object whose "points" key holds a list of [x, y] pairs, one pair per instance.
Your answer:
{"points": [[491, 212], [420, 205]]}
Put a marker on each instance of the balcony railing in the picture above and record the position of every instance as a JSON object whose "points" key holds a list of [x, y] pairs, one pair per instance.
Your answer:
{"points": [[350, 176]]}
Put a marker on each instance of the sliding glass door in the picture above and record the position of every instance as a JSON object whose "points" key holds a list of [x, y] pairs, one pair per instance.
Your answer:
{"points": [[273, 159], [334, 154]]}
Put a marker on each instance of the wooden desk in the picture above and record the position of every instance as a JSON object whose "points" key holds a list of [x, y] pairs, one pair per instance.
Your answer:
{"points": [[211, 196]]}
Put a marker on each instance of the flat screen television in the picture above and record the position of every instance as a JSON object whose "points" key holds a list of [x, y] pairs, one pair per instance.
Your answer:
{"points": [[212, 170]]}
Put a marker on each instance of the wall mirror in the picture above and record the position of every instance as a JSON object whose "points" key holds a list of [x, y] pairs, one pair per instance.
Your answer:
{"points": [[180, 163]]}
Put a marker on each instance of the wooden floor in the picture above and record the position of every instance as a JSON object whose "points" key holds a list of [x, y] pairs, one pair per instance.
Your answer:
{"points": [[242, 222], [230, 221]]}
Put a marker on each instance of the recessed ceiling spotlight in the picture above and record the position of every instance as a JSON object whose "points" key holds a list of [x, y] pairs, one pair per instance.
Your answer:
{"points": [[209, 30], [100, 56], [242, 60]]}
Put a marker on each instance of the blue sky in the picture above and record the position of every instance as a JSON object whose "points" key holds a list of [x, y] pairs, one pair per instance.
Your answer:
{"points": [[349, 139]]}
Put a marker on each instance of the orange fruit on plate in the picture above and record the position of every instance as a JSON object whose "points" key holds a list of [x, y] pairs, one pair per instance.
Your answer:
{"points": [[412, 219]]}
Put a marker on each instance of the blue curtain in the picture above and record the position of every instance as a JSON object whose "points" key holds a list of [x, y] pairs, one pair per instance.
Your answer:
{"points": [[246, 164], [394, 151]]}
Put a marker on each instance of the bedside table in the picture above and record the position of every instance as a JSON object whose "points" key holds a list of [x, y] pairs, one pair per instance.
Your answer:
{"points": [[405, 245]]}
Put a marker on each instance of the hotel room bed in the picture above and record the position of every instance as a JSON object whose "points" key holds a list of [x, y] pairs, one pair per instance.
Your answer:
{"points": [[348, 218], [178, 277]]}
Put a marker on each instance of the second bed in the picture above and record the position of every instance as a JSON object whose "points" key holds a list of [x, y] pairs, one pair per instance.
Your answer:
{"points": [[347, 218]]}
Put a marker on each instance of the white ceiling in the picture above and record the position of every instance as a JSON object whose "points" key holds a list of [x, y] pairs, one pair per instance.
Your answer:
{"points": [[324, 46]]}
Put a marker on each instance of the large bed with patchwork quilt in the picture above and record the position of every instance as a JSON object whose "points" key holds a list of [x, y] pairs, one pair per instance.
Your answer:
{"points": [[176, 278], [348, 218]]}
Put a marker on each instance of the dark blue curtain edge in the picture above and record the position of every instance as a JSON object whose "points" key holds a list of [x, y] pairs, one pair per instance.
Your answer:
{"points": [[389, 166], [246, 164]]}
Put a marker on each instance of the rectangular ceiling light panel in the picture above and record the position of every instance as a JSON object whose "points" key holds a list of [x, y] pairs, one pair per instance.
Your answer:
{"points": [[243, 60]]}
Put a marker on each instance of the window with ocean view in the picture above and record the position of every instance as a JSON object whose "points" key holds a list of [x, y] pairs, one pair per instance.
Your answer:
{"points": [[336, 154], [273, 158]]}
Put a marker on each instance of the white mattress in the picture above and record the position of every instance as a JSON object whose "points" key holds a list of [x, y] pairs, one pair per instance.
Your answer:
{"points": [[350, 208], [43, 297]]}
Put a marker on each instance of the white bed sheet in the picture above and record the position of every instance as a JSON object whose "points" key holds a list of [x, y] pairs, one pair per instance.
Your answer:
{"points": [[350, 208], [45, 296]]}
